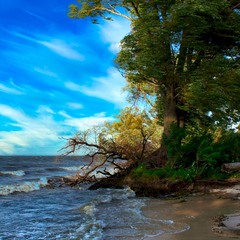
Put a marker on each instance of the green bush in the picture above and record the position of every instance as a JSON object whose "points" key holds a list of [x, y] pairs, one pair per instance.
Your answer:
{"points": [[195, 154]]}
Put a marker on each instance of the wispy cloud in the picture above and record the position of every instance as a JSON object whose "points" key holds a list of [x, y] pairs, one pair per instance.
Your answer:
{"points": [[42, 130], [38, 131], [35, 15], [60, 67], [63, 49], [87, 122], [73, 86], [108, 88], [112, 32], [46, 72], [56, 45], [45, 109], [11, 88], [74, 105], [6, 147], [12, 113]]}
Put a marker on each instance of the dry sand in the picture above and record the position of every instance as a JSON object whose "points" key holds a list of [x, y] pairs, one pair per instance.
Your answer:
{"points": [[198, 212]]}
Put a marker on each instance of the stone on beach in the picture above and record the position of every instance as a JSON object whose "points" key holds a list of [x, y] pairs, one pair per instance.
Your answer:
{"points": [[228, 225]]}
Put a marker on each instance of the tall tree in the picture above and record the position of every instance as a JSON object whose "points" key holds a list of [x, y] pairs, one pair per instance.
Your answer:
{"points": [[186, 52]]}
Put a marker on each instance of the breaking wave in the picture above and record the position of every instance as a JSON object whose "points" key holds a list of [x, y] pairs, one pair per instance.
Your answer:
{"points": [[73, 168], [27, 186], [18, 173]]}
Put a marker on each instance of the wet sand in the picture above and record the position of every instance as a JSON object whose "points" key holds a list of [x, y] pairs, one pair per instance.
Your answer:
{"points": [[198, 212]]}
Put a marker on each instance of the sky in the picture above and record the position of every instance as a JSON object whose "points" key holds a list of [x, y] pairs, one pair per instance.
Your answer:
{"points": [[57, 75]]}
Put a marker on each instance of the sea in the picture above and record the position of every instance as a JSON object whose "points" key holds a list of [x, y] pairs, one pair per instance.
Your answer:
{"points": [[31, 210]]}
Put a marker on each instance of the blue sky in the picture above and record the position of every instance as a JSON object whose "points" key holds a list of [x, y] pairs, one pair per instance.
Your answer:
{"points": [[57, 75]]}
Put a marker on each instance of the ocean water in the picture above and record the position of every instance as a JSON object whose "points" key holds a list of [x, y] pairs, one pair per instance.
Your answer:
{"points": [[30, 210]]}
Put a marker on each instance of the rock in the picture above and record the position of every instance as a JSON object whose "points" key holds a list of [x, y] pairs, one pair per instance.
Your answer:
{"points": [[228, 192], [231, 167], [56, 182], [74, 181], [228, 225], [107, 183]]}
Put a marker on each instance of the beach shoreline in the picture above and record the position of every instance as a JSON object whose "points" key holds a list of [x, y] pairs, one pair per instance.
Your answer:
{"points": [[199, 212], [210, 209]]}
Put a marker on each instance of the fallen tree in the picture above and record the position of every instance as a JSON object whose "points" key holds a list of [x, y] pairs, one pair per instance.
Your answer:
{"points": [[116, 146]]}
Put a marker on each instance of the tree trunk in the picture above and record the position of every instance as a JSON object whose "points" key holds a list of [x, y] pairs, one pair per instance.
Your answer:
{"points": [[160, 157], [170, 111]]}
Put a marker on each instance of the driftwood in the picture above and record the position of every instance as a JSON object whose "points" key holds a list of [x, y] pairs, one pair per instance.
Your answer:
{"points": [[231, 167]]}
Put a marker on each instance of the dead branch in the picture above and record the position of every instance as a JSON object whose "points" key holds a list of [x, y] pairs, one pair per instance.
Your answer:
{"points": [[109, 146], [105, 172]]}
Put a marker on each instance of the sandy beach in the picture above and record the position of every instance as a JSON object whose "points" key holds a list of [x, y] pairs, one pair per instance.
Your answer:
{"points": [[198, 212]]}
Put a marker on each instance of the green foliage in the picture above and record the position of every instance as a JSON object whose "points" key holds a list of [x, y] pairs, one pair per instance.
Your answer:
{"points": [[189, 174], [214, 92], [200, 152], [134, 133], [182, 44], [235, 175], [229, 142], [167, 172], [191, 45]]}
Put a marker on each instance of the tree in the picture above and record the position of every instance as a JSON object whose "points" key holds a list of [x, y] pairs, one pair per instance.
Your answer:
{"points": [[184, 52], [127, 141]]}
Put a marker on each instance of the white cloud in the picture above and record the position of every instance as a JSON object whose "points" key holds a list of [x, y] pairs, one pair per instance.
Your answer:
{"points": [[44, 110], [23, 36], [108, 88], [114, 47], [64, 114], [87, 122], [74, 105], [6, 148], [73, 86], [45, 72], [12, 113], [35, 15], [11, 88], [113, 32], [41, 133], [63, 49]]}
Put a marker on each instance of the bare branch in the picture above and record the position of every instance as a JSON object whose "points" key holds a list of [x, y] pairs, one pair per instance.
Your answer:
{"points": [[115, 12], [115, 144], [236, 6]]}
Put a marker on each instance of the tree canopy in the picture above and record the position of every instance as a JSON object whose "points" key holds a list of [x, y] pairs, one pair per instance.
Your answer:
{"points": [[183, 53]]}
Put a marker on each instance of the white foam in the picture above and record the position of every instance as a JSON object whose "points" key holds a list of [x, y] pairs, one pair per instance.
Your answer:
{"points": [[73, 168], [24, 187], [91, 229], [89, 209], [18, 173]]}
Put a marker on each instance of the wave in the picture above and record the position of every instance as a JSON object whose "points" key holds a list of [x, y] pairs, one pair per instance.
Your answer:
{"points": [[92, 228], [94, 225], [18, 173], [24, 187], [73, 168], [119, 213]]}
